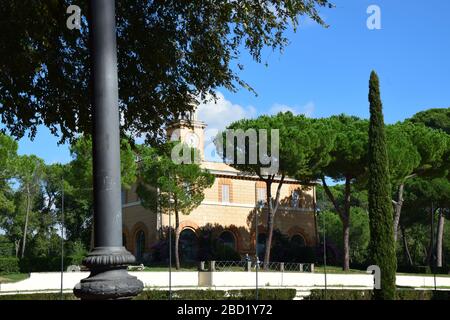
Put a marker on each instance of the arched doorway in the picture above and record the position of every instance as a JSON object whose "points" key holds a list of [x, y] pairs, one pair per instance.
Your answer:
{"points": [[188, 245], [140, 245], [298, 240], [228, 239], [261, 246], [124, 239]]}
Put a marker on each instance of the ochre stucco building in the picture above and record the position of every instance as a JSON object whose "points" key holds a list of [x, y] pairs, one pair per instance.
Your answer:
{"points": [[229, 208]]}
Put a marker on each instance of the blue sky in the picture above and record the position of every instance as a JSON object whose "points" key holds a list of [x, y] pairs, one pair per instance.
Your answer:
{"points": [[326, 71]]}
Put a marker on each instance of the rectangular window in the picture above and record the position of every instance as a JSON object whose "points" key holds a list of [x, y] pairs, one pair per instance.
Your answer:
{"points": [[295, 199], [225, 193], [124, 197]]}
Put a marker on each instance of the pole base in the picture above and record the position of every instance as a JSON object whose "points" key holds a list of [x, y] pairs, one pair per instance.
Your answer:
{"points": [[109, 278]]}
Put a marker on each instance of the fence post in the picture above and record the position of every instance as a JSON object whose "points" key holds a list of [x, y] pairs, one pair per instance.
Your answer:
{"points": [[282, 266], [301, 267], [212, 266], [248, 266], [311, 267], [201, 266]]}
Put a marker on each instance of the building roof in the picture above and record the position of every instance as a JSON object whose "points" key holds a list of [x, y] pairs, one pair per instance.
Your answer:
{"points": [[223, 169]]}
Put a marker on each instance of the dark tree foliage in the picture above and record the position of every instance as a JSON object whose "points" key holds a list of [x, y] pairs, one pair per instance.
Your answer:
{"points": [[170, 53], [382, 245], [434, 118]]}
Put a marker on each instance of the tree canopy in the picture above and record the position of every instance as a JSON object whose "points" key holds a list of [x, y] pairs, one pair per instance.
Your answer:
{"points": [[170, 186], [169, 53], [298, 148], [437, 118], [347, 163]]}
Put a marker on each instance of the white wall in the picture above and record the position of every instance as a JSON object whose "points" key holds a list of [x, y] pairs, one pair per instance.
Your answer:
{"points": [[51, 280]]}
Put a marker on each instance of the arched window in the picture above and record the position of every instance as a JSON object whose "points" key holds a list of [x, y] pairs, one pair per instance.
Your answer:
{"points": [[295, 197], [261, 246], [298, 240], [188, 245], [124, 239], [228, 239], [140, 245]]}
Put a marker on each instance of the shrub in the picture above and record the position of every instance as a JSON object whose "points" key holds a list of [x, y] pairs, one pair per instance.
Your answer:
{"points": [[263, 294], [43, 264], [6, 247], [414, 295], [77, 252], [38, 296], [244, 294], [9, 265], [285, 250], [441, 295], [225, 253], [319, 294], [414, 269], [153, 295], [401, 294]]}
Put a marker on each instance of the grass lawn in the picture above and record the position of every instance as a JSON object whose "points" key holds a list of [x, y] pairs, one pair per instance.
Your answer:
{"points": [[318, 269], [334, 269], [13, 277], [163, 268]]}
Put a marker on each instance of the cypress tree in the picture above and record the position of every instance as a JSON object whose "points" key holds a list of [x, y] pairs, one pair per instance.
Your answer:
{"points": [[382, 245]]}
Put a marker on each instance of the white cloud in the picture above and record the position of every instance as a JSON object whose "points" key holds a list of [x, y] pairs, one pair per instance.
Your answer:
{"points": [[307, 109], [220, 113], [217, 114]]}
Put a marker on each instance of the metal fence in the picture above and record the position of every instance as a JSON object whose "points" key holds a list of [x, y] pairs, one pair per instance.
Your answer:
{"points": [[252, 265]]}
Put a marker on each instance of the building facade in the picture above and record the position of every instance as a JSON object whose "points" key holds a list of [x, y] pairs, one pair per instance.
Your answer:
{"points": [[229, 209]]}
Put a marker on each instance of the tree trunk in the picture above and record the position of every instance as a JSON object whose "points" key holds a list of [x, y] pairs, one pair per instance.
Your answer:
{"points": [[346, 241], [17, 244], [431, 245], [398, 209], [25, 229], [271, 212], [440, 237], [269, 231], [177, 239], [346, 225], [344, 215], [405, 246]]}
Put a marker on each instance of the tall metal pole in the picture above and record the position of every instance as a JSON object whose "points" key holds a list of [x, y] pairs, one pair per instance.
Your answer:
{"points": [[62, 239], [108, 260], [260, 207], [433, 252], [324, 254], [170, 249]]}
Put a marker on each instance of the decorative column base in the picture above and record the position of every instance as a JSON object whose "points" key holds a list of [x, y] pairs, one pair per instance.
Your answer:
{"points": [[109, 278]]}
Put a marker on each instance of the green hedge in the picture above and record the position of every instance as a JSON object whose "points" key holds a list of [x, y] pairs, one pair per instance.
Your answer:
{"points": [[9, 265], [182, 295], [244, 294], [247, 294], [44, 264], [38, 296], [263, 294], [6, 248], [423, 269], [414, 269], [401, 294], [319, 294]]}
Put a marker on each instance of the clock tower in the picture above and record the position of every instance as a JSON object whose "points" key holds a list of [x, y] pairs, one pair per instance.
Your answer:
{"points": [[188, 129]]}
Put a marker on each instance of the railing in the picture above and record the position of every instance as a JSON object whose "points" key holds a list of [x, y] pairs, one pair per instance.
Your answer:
{"points": [[251, 266]]}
